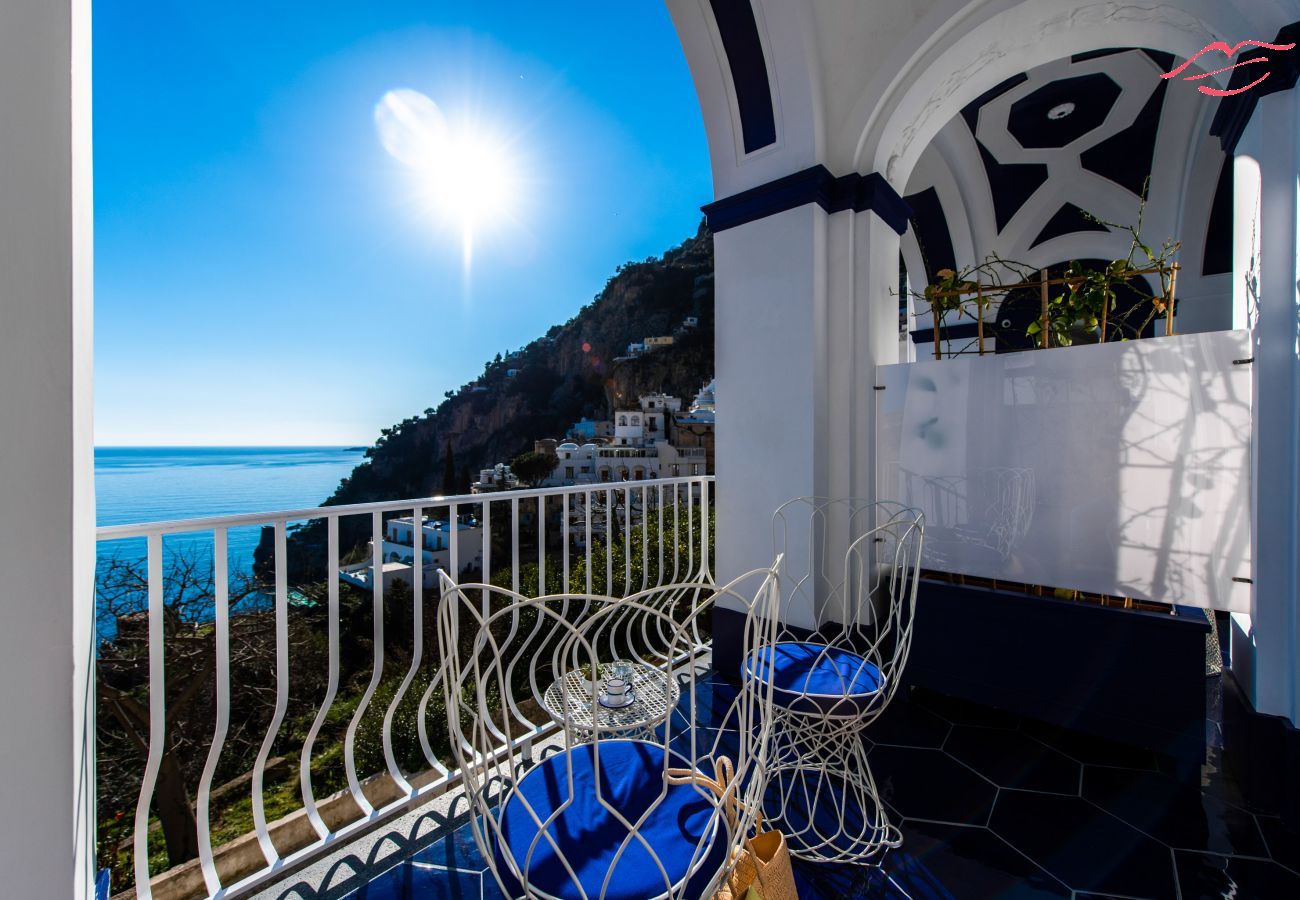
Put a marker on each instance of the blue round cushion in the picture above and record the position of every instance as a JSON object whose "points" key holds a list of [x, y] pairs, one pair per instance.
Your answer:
{"points": [[811, 678], [588, 835]]}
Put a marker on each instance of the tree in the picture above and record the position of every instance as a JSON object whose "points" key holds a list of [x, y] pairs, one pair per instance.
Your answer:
{"points": [[449, 485], [533, 468]]}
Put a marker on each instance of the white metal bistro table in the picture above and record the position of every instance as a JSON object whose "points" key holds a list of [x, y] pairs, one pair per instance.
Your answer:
{"points": [[655, 694]]}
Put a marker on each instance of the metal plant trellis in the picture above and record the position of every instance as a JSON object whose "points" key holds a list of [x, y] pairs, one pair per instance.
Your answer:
{"points": [[1089, 297], [1079, 281]]}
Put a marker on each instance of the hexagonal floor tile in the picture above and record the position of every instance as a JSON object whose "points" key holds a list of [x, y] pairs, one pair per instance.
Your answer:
{"points": [[930, 785], [964, 861], [1207, 875], [964, 712], [1178, 814], [830, 881], [1283, 843], [1083, 846], [411, 880], [1089, 749], [906, 724], [1014, 759]]}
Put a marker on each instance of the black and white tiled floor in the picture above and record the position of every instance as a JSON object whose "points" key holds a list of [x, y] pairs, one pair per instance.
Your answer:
{"points": [[994, 806]]}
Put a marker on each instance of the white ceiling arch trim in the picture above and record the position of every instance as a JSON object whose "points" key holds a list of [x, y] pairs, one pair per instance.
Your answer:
{"points": [[962, 55]]}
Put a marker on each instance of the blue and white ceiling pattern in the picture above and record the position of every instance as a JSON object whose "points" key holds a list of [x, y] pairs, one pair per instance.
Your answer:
{"points": [[1014, 173]]}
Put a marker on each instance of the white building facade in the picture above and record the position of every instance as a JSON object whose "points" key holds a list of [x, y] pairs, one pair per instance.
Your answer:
{"points": [[398, 555]]}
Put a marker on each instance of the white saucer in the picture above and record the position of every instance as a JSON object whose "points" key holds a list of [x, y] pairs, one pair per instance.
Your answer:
{"points": [[628, 699]]}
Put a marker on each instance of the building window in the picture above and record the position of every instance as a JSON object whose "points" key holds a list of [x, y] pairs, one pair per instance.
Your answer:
{"points": [[568, 471], [622, 420]]}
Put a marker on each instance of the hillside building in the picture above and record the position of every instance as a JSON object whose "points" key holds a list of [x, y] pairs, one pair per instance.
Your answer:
{"points": [[497, 478], [694, 429], [592, 430], [397, 553]]}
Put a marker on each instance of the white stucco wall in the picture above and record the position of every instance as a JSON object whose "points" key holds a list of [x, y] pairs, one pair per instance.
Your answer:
{"points": [[767, 272], [46, 456]]}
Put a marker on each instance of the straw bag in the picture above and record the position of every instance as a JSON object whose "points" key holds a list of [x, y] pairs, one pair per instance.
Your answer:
{"points": [[760, 870]]}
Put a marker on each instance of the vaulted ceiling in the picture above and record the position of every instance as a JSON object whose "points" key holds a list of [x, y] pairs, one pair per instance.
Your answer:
{"points": [[1024, 168]]}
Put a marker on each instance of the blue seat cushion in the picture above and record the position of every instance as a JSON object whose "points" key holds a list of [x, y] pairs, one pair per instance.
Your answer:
{"points": [[588, 836], [814, 678]]}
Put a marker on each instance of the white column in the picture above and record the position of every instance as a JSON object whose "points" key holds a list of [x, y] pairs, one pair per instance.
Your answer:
{"points": [[1268, 167], [804, 315], [770, 278], [46, 457]]}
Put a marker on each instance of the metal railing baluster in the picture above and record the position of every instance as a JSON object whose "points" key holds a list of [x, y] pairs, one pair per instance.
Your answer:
{"points": [[541, 544], [332, 679], [659, 507], [645, 535], [609, 540], [221, 614], [417, 649], [157, 714], [587, 506], [627, 539], [514, 544], [350, 738], [281, 692], [564, 534]]}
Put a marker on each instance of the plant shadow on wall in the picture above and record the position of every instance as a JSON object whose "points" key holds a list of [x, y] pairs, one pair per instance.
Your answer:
{"points": [[1185, 440], [1084, 302], [1121, 469]]}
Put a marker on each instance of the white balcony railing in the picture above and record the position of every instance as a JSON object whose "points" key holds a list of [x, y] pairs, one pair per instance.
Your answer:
{"points": [[645, 534]]}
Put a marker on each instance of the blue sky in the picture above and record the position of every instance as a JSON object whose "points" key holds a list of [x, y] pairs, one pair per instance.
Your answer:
{"points": [[267, 273]]}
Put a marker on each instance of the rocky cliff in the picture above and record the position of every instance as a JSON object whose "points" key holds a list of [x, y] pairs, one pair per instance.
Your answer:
{"points": [[540, 389]]}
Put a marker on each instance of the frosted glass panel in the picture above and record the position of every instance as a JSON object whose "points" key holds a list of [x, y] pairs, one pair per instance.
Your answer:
{"points": [[1121, 469]]}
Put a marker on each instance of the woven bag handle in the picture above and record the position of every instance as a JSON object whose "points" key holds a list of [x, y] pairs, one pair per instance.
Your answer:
{"points": [[724, 777]]}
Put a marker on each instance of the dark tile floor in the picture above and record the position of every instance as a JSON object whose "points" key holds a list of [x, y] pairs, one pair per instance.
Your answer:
{"points": [[994, 806]]}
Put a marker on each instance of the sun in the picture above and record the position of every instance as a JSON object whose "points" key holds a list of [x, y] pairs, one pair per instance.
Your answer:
{"points": [[462, 174]]}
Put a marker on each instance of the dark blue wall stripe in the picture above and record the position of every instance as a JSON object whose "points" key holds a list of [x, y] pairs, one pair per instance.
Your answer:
{"points": [[930, 227], [813, 185], [1069, 219], [1217, 258], [739, 33], [951, 331]]}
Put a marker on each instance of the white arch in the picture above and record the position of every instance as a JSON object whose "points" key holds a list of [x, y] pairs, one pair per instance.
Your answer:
{"points": [[786, 31], [961, 49]]}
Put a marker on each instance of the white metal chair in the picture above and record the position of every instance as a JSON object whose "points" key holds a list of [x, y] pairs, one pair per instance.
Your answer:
{"points": [[588, 810], [846, 631]]}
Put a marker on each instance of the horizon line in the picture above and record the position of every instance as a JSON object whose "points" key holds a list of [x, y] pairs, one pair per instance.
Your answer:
{"points": [[225, 446]]}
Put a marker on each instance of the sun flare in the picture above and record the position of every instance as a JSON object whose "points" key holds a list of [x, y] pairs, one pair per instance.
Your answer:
{"points": [[462, 174]]}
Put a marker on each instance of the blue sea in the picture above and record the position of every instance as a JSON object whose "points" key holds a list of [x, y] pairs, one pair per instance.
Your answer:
{"points": [[135, 485]]}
